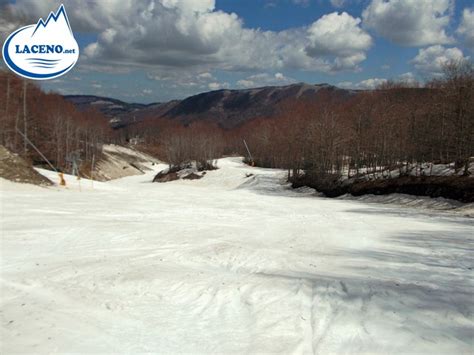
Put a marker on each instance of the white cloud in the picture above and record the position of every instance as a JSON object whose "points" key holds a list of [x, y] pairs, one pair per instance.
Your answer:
{"points": [[368, 84], [346, 85], [183, 79], [410, 22], [430, 61], [407, 78], [279, 76], [339, 36], [205, 76], [466, 28], [245, 83], [191, 35], [373, 83], [265, 79], [147, 91], [190, 5], [217, 85]]}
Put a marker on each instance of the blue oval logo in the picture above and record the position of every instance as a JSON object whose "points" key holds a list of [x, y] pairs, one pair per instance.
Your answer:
{"points": [[42, 51]]}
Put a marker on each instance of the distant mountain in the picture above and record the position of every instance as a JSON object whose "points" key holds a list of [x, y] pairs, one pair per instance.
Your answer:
{"points": [[228, 108], [118, 111]]}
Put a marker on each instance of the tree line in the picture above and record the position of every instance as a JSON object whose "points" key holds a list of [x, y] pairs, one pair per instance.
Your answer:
{"points": [[53, 125]]}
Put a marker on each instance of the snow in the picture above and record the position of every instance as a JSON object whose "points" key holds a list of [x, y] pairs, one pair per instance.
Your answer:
{"points": [[424, 169], [230, 263], [420, 202]]}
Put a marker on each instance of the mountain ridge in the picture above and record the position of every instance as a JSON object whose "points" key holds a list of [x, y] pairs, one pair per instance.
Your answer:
{"points": [[228, 108]]}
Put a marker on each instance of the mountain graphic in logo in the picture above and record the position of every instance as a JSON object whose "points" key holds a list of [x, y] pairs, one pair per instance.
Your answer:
{"points": [[42, 51]]}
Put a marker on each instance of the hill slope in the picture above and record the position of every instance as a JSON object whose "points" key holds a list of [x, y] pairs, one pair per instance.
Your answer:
{"points": [[16, 169]]}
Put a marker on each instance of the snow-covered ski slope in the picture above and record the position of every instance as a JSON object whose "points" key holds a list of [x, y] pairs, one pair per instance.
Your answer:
{"points": [[229, 264]]}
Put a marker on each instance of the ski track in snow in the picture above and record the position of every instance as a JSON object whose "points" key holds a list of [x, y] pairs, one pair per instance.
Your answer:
{"points": [[228, 264]]}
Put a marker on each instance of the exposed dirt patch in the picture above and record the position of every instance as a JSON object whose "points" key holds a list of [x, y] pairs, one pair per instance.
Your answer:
{"points": [[175, 173], [166, 176], [17, 169], [192, 176]]}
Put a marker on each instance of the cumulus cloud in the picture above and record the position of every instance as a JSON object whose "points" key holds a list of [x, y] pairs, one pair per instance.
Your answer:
{"points": [[339, 36], [280, 76], [372, 83], [346, 84], [217, 85], [407, 79], [205, 76], [165, 35], [186, 81], [466, 28], [410, 22], [368, 84], [265, 79], [430, 61]]}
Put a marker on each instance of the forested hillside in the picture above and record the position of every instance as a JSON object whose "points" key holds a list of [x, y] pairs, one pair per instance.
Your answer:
{"points": [[52, 124]]}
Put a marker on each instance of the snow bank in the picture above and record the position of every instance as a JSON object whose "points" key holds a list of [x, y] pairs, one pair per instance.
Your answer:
{"points": [[424, 202], [425, 169], [73, 183]]}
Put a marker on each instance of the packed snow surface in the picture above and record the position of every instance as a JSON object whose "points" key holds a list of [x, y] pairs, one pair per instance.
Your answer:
{"points": [[231, 263]]}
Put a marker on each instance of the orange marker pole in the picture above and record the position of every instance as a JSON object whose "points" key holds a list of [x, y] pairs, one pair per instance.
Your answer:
{"points": [[62, 182]]}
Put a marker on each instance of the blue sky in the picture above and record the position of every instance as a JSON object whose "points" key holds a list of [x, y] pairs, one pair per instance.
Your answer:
{"points": [[157, 50]]}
